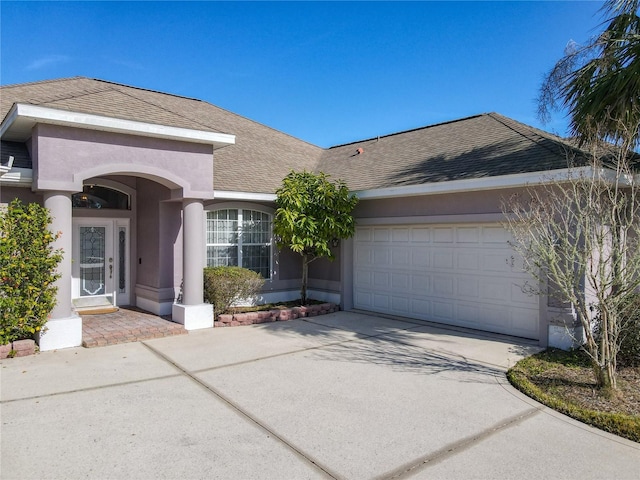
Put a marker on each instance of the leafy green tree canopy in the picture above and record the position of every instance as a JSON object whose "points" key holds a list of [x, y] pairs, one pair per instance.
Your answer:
{"points": [[312, 212]]}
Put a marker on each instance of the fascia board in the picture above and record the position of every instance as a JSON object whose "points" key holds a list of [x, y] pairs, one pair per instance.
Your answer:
{"points": [[475, 184], [249, 196], [40, 114], [456, 186]]}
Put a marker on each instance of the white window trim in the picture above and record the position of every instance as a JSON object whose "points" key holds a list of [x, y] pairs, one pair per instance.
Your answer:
{"points": [[243, 206]]}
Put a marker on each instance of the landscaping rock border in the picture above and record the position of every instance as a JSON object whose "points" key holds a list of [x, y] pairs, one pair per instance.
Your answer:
{"points": [[19, 348], [274, 315]]}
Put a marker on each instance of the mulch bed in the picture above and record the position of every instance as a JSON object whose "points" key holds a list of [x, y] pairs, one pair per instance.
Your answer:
{"points": [[574, 382]]}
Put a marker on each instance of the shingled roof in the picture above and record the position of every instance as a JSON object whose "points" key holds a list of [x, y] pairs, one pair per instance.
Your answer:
{"points": [[266, 153], [471, 148]]}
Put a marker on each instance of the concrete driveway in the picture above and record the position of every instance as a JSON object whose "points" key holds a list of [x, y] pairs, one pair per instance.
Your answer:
{"points": [[345, 395]]}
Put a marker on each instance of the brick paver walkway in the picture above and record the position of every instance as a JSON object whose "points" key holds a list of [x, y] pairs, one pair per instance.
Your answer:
{"points": [[125, 325]]}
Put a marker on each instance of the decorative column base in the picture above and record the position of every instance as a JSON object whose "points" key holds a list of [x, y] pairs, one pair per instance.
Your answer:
{"points": [[61, 333], [193, 317], [565, 338]]}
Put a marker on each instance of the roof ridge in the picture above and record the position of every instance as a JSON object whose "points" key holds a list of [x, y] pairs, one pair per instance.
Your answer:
{"points": [[264, 125], [143, 89], [208, 103], [166, 109], [40, 82], [533, 131], [410, 130]]}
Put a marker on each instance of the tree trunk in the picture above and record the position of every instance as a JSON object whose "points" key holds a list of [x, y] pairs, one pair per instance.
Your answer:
{"points": [[605, 376], [606, 371], [305, 276]]}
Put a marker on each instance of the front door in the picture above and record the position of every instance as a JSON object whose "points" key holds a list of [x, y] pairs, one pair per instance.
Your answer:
{"points": [[100, 249]]}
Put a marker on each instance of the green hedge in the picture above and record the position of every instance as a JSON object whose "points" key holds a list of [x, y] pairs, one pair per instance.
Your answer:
{"points": [[224, 286], [28, 265]]}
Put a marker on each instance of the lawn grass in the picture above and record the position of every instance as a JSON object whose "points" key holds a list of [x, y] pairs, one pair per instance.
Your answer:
{"points": [[564, 381]]}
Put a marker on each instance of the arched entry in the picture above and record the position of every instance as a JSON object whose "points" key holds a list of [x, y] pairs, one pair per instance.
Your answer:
{"points": [[101, 251]]}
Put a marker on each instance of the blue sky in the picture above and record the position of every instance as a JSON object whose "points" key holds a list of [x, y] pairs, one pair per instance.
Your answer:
{"points": [[328, 73]]}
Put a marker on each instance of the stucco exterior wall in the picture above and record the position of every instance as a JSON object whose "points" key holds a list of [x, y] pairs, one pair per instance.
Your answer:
{"points": [[149, 195], [463, 203], [8, 194], [63, 157]]}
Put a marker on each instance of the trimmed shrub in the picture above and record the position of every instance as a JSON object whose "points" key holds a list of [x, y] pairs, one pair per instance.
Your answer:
{"points": [[27, 270], [226, 286]]}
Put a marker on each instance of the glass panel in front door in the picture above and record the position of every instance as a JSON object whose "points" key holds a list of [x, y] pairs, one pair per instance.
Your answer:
{"points": [[93, 267]]}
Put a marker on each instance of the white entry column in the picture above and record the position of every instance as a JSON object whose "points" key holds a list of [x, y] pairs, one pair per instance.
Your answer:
{"points": [[193, 313], [64, 328]]}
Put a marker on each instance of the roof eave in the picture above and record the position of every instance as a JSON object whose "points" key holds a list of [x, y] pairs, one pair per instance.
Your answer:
{"points": [[248, 196], [21, 119], [518, 180]]}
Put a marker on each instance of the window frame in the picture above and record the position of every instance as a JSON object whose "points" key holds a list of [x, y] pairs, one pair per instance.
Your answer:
{"points": [[239, 207]]}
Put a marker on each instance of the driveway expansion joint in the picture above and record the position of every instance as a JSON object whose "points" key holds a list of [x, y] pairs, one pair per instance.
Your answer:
{"points": [[455, 448], [88, 389], [247, 416]]}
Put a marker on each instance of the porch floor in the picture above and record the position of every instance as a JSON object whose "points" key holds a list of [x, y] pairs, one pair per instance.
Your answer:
{"points": [[128, 324]]}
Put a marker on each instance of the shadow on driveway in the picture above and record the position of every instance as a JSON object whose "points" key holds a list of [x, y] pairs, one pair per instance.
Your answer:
{"points": [[405, 346]]}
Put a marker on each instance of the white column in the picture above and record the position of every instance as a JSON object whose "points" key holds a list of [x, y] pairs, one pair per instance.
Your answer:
{"points": [[193, 313], [64, 328], [193, 246]]}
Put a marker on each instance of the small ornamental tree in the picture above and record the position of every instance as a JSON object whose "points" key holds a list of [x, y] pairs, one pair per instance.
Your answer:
{"points": [[27, 270], [581, 239], [312, 213]]}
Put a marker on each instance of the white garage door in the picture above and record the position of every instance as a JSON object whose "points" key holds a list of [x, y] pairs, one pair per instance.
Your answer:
{"points": [[464, 275]]}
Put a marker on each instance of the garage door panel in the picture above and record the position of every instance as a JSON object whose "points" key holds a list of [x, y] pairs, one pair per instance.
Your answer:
{"points": [[520, 297], [363, 299], [364, 256], [496, 262], [363, 278], [443, 285], [524, 322], [468, 313], [400, 257], [381, 279], [468, 234], [381, 256], [443, 259], [495, 234], [400, 235], [363, 234], [462, 274], [443, 234], [420, 258], [468, 287], [400, 305], [381, 301], [400, 281], [381, 235], [420, 235], [468, 261], [496, 290], [420, 307], [517, 265], [442, 310], [420, 284]]}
